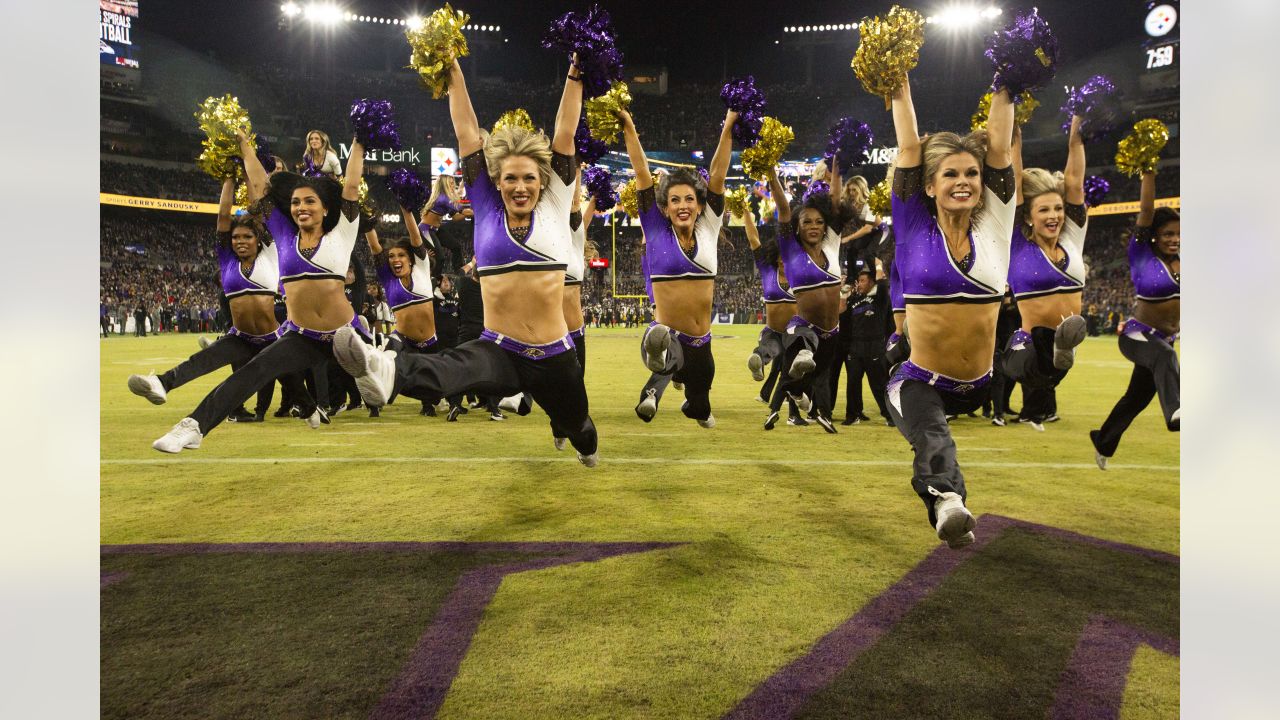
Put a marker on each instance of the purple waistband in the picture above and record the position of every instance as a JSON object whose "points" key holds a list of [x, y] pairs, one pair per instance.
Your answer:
{"points": [[575, 334], [421, 345], [325, 336], [797, 321], [894, 339], [1019, 337], [525, 350], [1136, 325], [910, 371], [687, 340], [259, 340]]}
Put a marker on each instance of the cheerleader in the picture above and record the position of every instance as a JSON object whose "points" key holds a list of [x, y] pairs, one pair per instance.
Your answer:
{"points": [[682, 220], [520, 185], [953, 215], [315, 223], [810, 250], [1147, 338], [319, 157], [1047, 271]]}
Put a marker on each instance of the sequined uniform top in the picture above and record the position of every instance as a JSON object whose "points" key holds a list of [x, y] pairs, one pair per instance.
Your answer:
{"points": [[262, 278], [802, 272], [928, 272], [419, 290], [667, 260], [546, 244], [769, 283], [1033, 274], [329, 259], [1153, 279], [897, 303]]}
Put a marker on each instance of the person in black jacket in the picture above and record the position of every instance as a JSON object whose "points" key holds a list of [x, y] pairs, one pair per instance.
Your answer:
{"points": [[867, 308]]}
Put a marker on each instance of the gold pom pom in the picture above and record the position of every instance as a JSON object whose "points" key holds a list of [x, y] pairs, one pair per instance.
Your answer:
{"points": [[515, 118], [602, 112], [760, 160], [735, 200], [628, 199], [219, 118], [767, 206], [1139, 152], [435, 45], [242, 195], [1021, 112], [878, 201], [888, 48]]}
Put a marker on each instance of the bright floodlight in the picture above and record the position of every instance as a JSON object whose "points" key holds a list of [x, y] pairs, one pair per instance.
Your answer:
{"points": [[414, 22], [991, 12], [290, 9]]}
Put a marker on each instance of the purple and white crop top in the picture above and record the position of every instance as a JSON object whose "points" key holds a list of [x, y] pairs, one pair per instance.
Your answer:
{"points": [[1153, 279], [802, 272], [769, 280], [928, 272], [419, 290], [669, 261], [546, 244], [262, 279], [897, 303], [329, 259], [576, 264], [1033, 274]]}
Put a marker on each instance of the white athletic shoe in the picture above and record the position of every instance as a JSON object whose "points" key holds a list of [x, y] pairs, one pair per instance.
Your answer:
{"points": [[954, 519], [655, 347], [560, 443], [709, 423], [803, 404], [203, 342], [185, 435], [374, 370], [1175, 420], [1038, 427], [317, 418], [1070, 333], [512, 403], [963, 540], [802, 365], [1100, 459], [755, 364], [149, 387], [589, 460], [648, 407]]}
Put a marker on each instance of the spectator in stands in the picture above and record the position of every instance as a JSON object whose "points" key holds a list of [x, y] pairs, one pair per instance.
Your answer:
{"points": [[319, 155]]}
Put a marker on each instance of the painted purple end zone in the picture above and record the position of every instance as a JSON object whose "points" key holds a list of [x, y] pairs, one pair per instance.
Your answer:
{"points": [[1092, 686], [110, 578], [783, 694]]}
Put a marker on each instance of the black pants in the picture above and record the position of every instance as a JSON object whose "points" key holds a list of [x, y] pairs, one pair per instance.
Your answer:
{"points": [[1001, 385], [1155, 373], [877, 374], [227, 350], [292, 353], [693, 366], [555, 383], [770, 345], [919, 411], [398, 346], [816, 384], [139, 325], [580, 350], [1032, 364]]}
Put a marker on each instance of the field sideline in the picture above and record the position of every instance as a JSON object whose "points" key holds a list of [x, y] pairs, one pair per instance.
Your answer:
{"points": [[780, 537]]}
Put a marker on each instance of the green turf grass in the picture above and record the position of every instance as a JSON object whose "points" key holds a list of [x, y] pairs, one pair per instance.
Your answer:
{"points": [[1146, 695], [778, 554]]}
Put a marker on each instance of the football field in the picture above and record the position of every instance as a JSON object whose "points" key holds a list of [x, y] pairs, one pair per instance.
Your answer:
{"points": [[404, 566]]}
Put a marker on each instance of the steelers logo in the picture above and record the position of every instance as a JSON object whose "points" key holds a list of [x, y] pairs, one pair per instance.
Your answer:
{"points": [[1161, 20]]}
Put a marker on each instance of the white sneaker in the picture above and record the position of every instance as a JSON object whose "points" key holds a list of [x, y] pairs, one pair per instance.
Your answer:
{"points": [[589, 460], [1175, 420], [954, 519], [803, 404], [149, 387], [709, 423], [1070, 333], [755, 364], [203, 342], [185, 435], [512, 403], [1038, 427], [648, 407], [560, 443], [317, 418], [802, 365], [963, 540], [374, 370], [655, 348], [1100, 459]]}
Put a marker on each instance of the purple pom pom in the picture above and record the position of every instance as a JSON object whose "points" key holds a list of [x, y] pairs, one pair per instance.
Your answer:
{"points": [[309, 168], [599, 183], [1099, 105], [1095, 190], [848, 142], [263, 151], [409, 189], [817, 187], [592, 36], [588, 149], [374, 125], [743, 97], [706, 176], [1024, 53]]}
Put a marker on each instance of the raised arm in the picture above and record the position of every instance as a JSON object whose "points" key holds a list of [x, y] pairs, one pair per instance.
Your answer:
{"points": [[224, 204], [1016, 150], [569, 112], [780, 200], [639, 163], [1000, 131], [355, 169], [724, 151], [255, 174], [1073, 175], [466, 127], [415, 233], [749, 226], [1147, 200], [904, 126], [375, 246]]}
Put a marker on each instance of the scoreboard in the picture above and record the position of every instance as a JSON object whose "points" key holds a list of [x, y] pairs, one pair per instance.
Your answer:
{"points": [[116, 41], [1161, 23]]}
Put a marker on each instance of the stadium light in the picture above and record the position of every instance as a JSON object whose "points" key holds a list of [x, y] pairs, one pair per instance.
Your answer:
{"points": [[290, 9], [963, 16], [414, 22], [327, 14]]}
